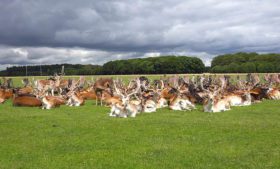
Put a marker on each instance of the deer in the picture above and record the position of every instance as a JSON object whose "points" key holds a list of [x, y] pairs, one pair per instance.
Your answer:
{"points": [[100, 85], [160, 96], [74, 98], [149, 101], [110, 99], [26, 101], [127, 108], [5, 94], [176, 95], [49, 102], [241, 98], [7, 83], [118, 110], [45, 85], [25, 82], [259, 91], [88, 94], [273, 91], [273, 94], [214, 102], [180, 101]]}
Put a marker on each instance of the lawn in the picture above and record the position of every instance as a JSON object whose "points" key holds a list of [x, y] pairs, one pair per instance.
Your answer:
{"points": [[86, 137], [17, 80]]}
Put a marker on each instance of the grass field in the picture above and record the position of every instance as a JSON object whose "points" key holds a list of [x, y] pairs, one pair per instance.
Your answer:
{"points": [[86, 137], [17, 80]]}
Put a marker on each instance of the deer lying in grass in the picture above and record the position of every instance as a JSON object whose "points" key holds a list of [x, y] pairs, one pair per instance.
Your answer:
{"points": [[7, 83], [214, 101], [27, 101], [88, 94], [101, 85], [49, 102], [28, 90], [240, 98], [110, 99], [176, 97], [273, 94], [118, 110], [149, 101], [5, 94], [160, 94], [75, 99], [127, 107], [180, 102]]}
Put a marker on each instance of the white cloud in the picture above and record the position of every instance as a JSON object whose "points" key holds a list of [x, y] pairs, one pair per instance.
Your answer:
{"points": [[92, 31]]}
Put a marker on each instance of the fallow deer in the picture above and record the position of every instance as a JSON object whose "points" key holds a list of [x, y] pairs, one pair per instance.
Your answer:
{"points": [[214, 101], [75, 99], [240, 98], [100, 85], [27, 101], [49, 102], [5, 94], [127, 108]]}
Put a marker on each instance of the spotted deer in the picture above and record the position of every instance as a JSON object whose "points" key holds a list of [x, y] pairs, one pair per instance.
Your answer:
{"points": [[127, 107], [214, 101]]}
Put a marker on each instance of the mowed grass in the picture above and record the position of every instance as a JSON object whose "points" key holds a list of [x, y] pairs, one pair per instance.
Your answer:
{"points": [[17, 81], [86, 137]]}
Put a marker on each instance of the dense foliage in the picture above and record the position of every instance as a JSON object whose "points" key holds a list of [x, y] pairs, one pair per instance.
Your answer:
{"points": [[246, 63], [46, 70], [155, 65], [228, 63]]}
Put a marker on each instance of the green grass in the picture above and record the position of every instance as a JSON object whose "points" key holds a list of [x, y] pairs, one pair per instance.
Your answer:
{"points": [[86, 137], [17, 80]]}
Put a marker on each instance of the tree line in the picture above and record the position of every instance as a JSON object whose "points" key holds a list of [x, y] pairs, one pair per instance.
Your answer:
{"points": [[46, 70], [246, 63], [229, 63], [154, 65]]}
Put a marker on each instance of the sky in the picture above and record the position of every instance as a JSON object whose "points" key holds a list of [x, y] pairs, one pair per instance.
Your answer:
{"points": [[97, 31]]}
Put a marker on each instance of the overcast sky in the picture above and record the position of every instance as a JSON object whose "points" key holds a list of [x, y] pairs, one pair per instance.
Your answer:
{"points": [[96, 31]]}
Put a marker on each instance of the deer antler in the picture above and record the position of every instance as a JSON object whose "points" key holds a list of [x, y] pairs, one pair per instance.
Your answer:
{"points": [[223, 80], [201, 84], [117, 90], [256, 80], [137, 88]]}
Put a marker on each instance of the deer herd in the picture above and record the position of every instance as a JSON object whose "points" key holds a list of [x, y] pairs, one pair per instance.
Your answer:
{"points": [[217, 93]]}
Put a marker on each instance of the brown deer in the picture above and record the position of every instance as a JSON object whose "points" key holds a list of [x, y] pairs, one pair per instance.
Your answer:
{"points": [[27, 101], [52, 102], [45, 85], [88, 94], [74, 98], [214, 101], [5, 94], [100, 85], [127, 108], [7, 83], [180, 100], [242, 97], [273, 94]]}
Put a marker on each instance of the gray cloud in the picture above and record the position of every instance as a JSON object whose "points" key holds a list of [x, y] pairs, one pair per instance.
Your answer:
{"points": [[89, 31]]}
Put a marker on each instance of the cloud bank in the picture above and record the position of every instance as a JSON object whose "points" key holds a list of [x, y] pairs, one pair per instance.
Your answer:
{"points": [[91, 31]]}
